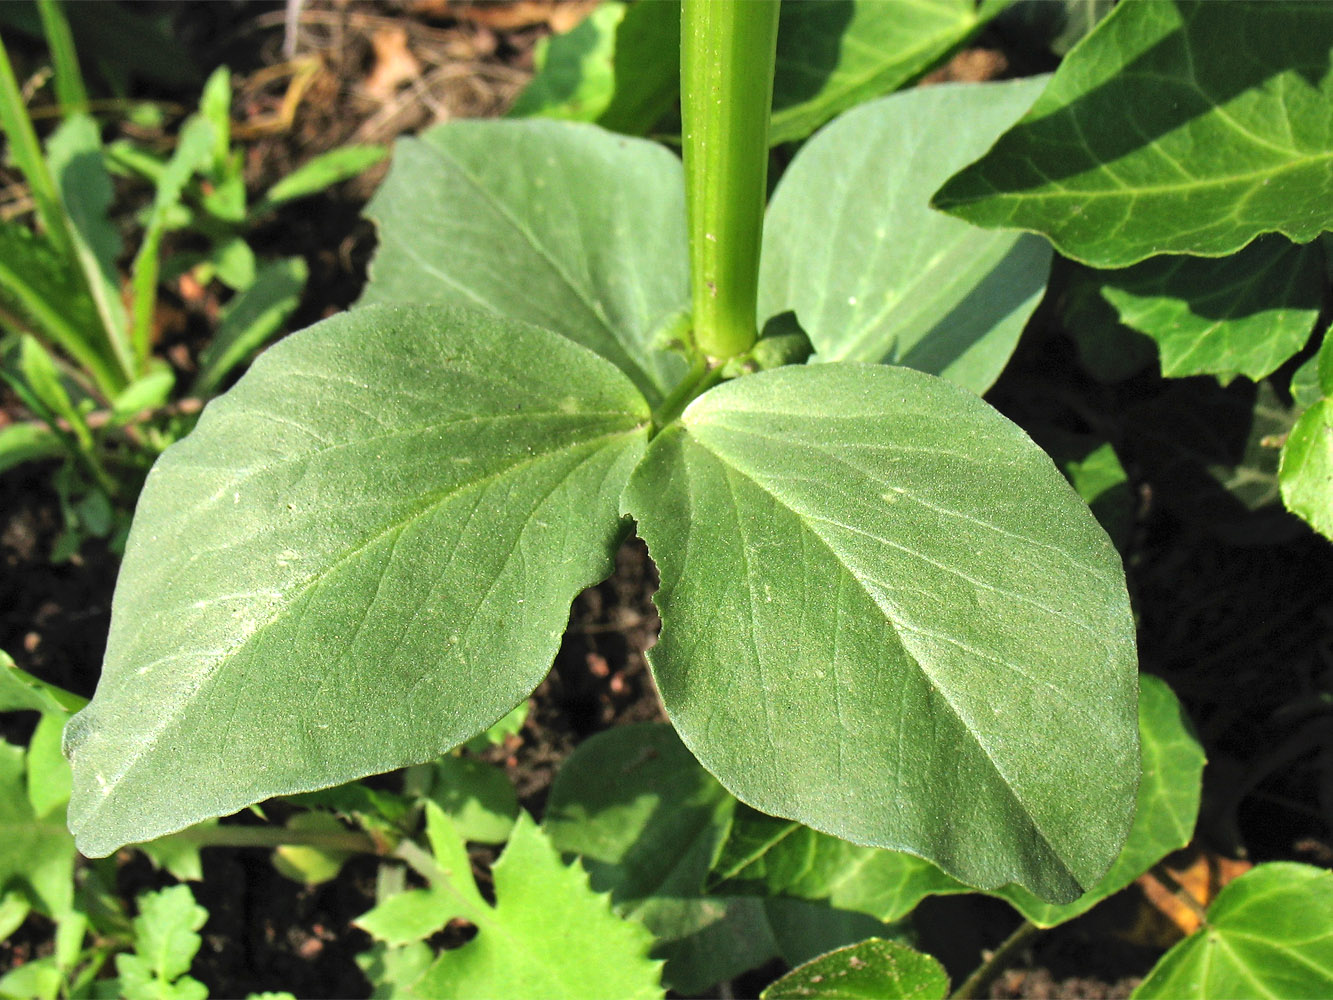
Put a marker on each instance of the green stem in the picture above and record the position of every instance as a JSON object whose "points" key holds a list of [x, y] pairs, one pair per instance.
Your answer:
{"points": [[276, 836], [727, 53], [995, 963], [702, 376]]}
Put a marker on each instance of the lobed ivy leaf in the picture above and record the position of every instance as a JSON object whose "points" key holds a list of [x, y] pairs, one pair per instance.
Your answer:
{"points": [[338, 572], [1244, 314], [857, 565], [1181, 127], [560, 224], [647, 821], [890, 280], [871, 970], [1268, 934], [547, 935]]}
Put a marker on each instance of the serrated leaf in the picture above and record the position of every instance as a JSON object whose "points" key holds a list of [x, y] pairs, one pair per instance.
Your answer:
{"points": [[1153, 137], [589, 225], [1269, 934], [375, 528], [478, 797], [832, 56], [873, 970], [547, 936], [873, 274], [647, 820], [1239, 315], [904, 611], [165, 944]]}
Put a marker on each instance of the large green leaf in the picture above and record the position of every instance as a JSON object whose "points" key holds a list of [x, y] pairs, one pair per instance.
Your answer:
{"points": [[870, 970], [1155, 136], [362, 557], [548, 935], [901, 629], [833, 54], [773, 856], [1240, 315], [556, 223], [1269, 934], [647, 820], [873, 274]]}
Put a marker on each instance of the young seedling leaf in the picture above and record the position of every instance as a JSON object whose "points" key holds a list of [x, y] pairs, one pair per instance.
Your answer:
{"points": [[165, 944], [872, 970], [20, 691], [1269, 934], [363, 556], [555, 223], [647, 820], [1240, 315], [478, 797], [1154, 138], [319, 174], [249, 320], [548, 936], [910, 616], [873, 274], [833, 55]]}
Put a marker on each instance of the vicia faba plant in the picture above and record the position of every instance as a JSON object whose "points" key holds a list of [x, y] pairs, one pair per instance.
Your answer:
{"points": [[885, 613]]}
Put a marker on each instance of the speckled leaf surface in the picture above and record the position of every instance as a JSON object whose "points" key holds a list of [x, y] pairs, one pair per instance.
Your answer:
{"points": [[871, 271], [1174, 127], [363, 556], [561, 224], [901, 629]]}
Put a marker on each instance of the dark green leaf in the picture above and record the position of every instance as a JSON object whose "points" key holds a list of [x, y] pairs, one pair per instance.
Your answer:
{"points": [[833, 54], [1240, 315], [1269, 934], [319, 174], [873, 274], [871, 970], [478, 797], [555, 223], [575, 76], [903, 611], [1154, 137], [383, 523], [249, 320]]}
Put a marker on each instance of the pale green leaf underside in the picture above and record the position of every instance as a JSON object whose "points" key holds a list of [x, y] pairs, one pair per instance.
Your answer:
{"points": [[872, 970], [769, 856], [1239, 315], [362, 557], [833, 55], [905, 631], [872, 272], [1174, 127], [1269, 934], [559, 224]]}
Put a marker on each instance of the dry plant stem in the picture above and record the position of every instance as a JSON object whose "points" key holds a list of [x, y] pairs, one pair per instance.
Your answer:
{"points": [[996, 962], [1163, 875], [727, 53]]}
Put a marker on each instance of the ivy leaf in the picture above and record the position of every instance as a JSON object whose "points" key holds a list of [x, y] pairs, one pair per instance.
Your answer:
{"points": [[1154, 138], [589, 225], [873, 274], [1269, 934], [647, 821], [1240, 315], [547, 936], [856, 563], [384, 523], [873, 970]]}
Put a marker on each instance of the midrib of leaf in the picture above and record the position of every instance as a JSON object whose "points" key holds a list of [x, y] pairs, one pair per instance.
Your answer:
{"points": [[593, 307], [166, 722], [1221, 944], [896, 622]]}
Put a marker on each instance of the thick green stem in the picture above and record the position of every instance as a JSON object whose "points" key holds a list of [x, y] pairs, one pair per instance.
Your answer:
{"points": [[727, 52]]}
